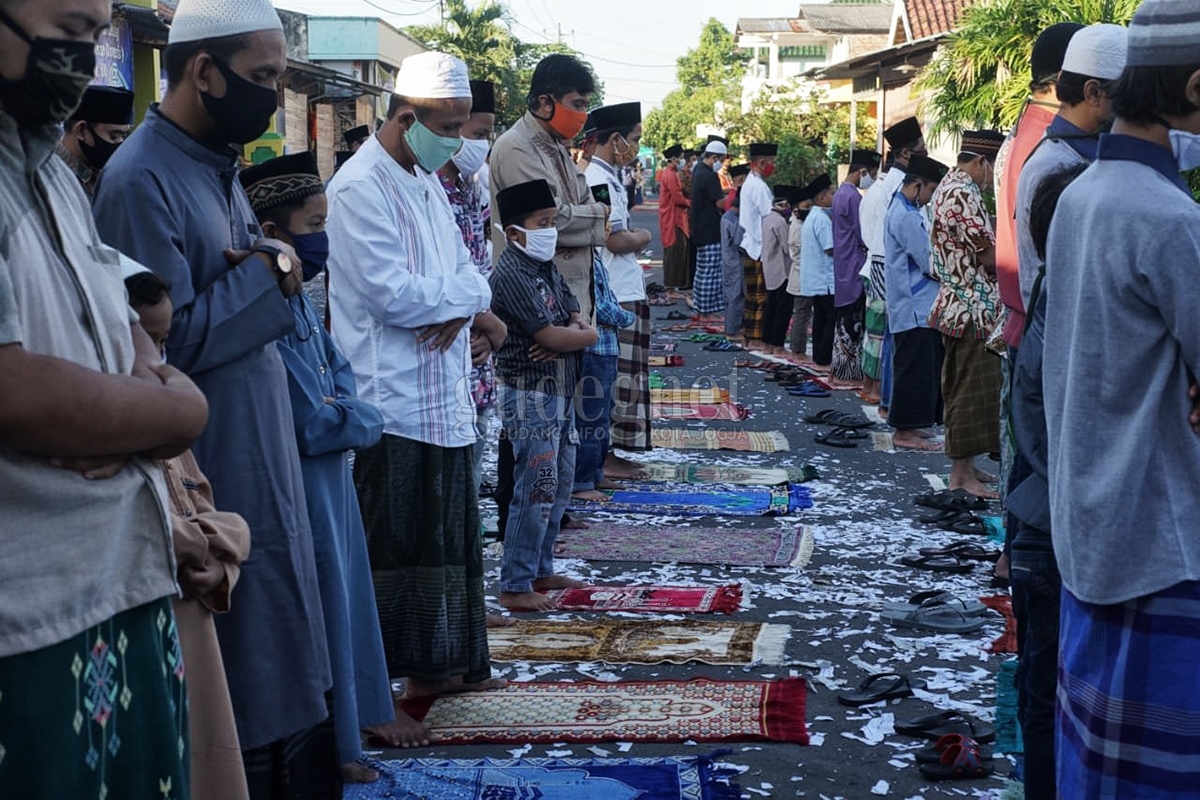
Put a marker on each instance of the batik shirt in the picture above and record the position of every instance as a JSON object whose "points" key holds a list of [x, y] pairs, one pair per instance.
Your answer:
{"points": [[472, 216], [961, 231]]}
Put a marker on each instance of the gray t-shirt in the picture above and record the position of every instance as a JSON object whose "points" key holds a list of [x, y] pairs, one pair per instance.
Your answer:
{"points": [[1050, 156]]}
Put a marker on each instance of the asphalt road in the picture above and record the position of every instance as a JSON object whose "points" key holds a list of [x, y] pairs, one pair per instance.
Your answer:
{"points": [[863, 522]]}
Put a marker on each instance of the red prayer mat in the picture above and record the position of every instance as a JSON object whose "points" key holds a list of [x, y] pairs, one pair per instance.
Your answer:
{"points": [[667, 599], [1007, 641], [733, 412], [700, 710]]}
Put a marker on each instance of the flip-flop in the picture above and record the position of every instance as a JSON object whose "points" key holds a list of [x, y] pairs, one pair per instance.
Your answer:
{"points": [[959, 761], [853, 433], [877, 688], [951, 500], [935, 726], [809, 390], [839, 419], [967, 524], [936, 617], [937, 563], [675, 314], [933, 753], [833, 438], [969, 608], [969, 551]]}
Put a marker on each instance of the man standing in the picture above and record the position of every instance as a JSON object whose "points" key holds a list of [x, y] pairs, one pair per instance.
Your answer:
{"points": [[1129, 620], [849, 255], [757, 199], [905, 140], [816, 267], [94, 132], [356, 137], [966, 311], [171, 200], [916, 395], [403, 291], [708, 203], [673, 207]]}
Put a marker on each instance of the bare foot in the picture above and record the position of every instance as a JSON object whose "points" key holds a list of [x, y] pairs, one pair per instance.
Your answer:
{"points": [[526, 601], [623, 468], [498, 621], [573, 524], [926, 433], [883, 412], [1001, 569], [491, 684], [355, 772], [874, 401], [404, 731], [983, 476], [605, 485], [557, 582], [972, 486], [559, 548], [912, 440], [591, 496]]}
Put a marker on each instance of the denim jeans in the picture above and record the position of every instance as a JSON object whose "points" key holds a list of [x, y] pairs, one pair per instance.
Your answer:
{"points": [[1036, 594], [593, 418], [541, 429]]}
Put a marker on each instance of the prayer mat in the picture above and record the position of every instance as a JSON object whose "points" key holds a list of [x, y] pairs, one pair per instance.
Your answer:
{"points": [[640, 641], [664, 599], [728, 412], [1007, 641], [550, 778], [825, 382], [700, 710], [690, 501], [710, 394], [662, 347], [753, 547], [708, 439], [713, 473], [666, 361]]}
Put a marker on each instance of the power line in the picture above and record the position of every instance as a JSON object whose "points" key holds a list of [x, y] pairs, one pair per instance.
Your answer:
{"points": [[391, 13], [601, 58]]}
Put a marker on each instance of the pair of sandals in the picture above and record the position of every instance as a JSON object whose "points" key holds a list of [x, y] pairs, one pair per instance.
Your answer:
{"points": [[723, 346], [965, 522], [937, 611], [847, 438], [965, 550], [675, 314], [839, 419], [879, 688], [954, 757]]}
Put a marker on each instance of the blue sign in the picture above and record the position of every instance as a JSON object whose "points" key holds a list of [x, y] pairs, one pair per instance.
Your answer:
{"points": [[114, 56]]}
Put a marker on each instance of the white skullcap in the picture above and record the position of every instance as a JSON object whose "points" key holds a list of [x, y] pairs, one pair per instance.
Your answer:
{"points": [[129, 267], [1097, 51], [212, 19], [717, 148], [433, 76]]}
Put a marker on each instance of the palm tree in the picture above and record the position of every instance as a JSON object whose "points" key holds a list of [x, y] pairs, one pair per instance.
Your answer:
{"points": [[981, 78]]}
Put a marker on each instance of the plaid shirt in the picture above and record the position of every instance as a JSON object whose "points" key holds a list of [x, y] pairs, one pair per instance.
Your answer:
{"points": [[609, 315]]}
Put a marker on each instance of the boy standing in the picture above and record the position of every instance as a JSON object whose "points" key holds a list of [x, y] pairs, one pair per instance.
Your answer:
{"points": [[538, 368]]}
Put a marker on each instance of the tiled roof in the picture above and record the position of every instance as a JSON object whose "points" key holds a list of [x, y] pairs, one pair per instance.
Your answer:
{"points": [[848, 17], [931, 17], [768, 25]]}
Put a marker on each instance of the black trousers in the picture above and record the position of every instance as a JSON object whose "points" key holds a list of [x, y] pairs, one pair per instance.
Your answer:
{"points": [[916, 379], [823, 316], [777, 313]]}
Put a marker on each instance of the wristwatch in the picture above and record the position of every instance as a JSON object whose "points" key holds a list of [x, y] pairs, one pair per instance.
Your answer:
{"points": [[281, 262]]}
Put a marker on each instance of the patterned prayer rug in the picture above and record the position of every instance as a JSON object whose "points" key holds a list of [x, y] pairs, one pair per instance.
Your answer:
{"points": [[701, 710], [662, 347], [709, 439], [713, 395], [751, 547], [663, 599], [1007, 641], [549, 779], [640, 641], [714, 473], [693, 501], [733, 412], [666, 361]]}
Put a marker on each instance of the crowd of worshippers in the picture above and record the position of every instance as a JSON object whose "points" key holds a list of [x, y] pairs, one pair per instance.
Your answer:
{"points": [[179, 421]]}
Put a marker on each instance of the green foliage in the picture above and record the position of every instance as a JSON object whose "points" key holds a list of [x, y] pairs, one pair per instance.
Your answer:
{"points": [[715, 61], [981, 78]]}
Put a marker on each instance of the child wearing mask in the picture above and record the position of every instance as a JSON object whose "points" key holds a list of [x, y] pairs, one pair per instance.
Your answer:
{"points": [[288, 197], [538, 369]]}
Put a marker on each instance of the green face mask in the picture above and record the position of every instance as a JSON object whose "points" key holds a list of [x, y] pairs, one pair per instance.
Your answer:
{"points": [[432, 151]]}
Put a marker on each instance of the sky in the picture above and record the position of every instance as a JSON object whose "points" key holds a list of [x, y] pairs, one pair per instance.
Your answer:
{"points": [[632, 44]]}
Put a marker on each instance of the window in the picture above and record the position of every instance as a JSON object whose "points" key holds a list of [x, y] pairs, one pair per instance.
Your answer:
{"points": [[802, 52]]}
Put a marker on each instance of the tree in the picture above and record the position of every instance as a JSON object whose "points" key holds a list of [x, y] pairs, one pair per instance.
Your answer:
{"points": [[981, 78]]}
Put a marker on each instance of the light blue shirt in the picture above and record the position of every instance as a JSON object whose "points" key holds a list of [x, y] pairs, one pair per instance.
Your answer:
{"points": [[910, 291], [816, 260]]}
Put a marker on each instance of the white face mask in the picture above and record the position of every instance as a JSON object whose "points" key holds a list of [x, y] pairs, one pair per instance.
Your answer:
{"points": [[866, 182], [717, 164], [1186, 147], [470, 156], [540, 243]]}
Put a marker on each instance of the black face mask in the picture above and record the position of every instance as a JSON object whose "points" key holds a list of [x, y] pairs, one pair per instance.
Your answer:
{"points": [[245, 112], [57, 73], [100, 151]]}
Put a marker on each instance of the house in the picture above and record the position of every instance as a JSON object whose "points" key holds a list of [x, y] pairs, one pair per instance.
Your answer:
{"points": [[784, 49]]}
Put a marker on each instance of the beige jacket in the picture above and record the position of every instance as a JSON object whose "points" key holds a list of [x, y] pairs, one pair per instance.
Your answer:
{"points": [[526, 152]]}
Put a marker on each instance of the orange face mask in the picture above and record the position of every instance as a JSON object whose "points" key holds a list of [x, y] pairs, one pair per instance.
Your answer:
{"points": [[566, 122]]}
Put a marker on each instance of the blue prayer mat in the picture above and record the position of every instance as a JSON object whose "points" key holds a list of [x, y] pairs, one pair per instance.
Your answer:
{"points": [[693, 501], [549, 779]]}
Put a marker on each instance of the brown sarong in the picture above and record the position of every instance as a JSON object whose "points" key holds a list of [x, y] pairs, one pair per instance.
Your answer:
{"points": [[756, 300], [631, 395], [971, 387], [675, 263]]}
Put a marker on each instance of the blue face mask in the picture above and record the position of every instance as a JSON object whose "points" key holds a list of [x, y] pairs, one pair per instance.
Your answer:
{"points": [[432, 151], [313, 250]]}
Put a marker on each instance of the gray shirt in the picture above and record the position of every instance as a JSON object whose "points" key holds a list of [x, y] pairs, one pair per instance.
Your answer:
{"points": [[76, 552], [176, 205], [1122, 339]]}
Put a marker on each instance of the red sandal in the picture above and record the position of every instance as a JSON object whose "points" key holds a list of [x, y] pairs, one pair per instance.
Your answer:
{"points": [[961, 760]]}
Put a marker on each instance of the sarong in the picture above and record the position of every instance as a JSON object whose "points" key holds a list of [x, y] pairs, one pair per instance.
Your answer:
{"points": [[423, 538], [847, 342], [756, 299], [303, 766], [971, 382], [708, 296], [1128, 701], [675, 263], [631, 402], [917, 390], [874, 321], [102, 714]]}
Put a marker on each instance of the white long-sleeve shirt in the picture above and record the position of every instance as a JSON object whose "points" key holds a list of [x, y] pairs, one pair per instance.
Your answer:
{"points": [[757, 199], [397, 264], [873, 211]]}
